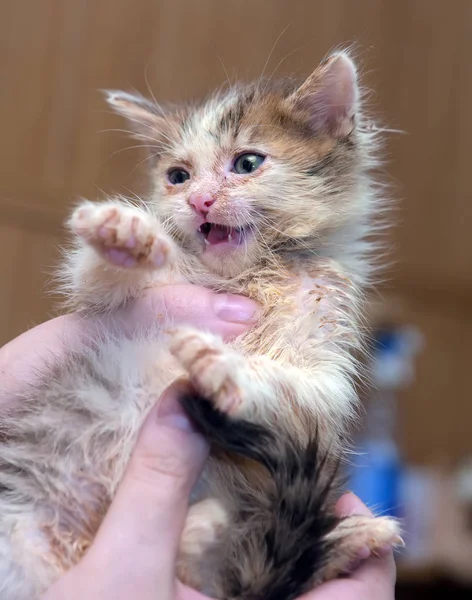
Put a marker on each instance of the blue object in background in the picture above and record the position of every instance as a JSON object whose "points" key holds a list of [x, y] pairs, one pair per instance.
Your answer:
{"points": [[375, 474], [376, 477]]}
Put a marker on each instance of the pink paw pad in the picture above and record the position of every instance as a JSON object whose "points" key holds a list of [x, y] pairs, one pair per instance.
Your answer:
{"points": [[131, 242], [124, 237], [120, 258]]}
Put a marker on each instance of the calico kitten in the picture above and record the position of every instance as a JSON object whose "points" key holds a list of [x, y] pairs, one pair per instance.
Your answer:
{"points": [[264, 190]]}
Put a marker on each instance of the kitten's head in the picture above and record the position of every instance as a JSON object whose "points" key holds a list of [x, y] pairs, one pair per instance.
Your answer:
{"points": [[256, 169]]}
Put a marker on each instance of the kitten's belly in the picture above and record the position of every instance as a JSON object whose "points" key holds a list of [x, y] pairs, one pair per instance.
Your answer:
{"points": [[54, 517], [126, 378]]}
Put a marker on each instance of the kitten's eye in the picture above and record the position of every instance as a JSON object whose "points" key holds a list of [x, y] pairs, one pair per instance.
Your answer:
{"points": [[178, 176], [248, 163]]}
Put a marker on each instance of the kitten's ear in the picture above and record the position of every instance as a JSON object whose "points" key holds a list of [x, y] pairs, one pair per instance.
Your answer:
{"points": [[146, 118], [330, 96]]}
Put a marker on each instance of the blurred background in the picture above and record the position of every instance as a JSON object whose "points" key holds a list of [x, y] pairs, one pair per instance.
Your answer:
{"points": [[60, 142]]}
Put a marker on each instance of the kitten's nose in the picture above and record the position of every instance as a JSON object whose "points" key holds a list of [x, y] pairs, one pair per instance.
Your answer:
{"points": [[201, 203]]}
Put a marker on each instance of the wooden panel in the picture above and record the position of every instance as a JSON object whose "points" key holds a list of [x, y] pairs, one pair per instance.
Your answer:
{"points": [[27, 261], [10, 242], [55, 143], [435, 411], [57, 140]]}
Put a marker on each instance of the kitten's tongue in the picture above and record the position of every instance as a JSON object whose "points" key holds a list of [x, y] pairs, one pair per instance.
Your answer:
{"points": [[219, 234]]}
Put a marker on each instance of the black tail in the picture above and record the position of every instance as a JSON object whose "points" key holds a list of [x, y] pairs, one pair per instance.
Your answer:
{"points": [[291, 546]]}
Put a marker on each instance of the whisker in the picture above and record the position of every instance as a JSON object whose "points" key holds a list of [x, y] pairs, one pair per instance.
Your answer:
{"points": [[142, 135], [131, 148], [285, 58], [224, 68], [152, 129], [279, 64], [146, 80], [141, 202], [114, 130], [161, 133], [272, 51], [141, 162]]}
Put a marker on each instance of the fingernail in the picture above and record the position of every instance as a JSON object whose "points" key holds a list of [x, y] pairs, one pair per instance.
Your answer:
{"points": [[235, 309], [170, 412]]}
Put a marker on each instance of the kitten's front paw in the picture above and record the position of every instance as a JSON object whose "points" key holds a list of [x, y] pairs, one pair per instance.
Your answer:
{"points": [[124, 236], [216, 371]]}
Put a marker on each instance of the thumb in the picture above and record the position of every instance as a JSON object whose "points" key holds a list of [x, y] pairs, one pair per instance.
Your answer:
{"points": [[226, 315], [144, 523]]}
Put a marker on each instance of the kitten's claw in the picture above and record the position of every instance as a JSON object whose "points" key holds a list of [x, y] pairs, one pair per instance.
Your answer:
{"points": [[124, 236], [213, 368]]}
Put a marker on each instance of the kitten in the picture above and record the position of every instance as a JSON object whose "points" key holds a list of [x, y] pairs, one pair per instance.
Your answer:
{"points": [[264, 190]]}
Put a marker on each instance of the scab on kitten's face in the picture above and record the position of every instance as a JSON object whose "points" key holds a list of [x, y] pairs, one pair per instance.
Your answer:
{"points": [[254, 169]]}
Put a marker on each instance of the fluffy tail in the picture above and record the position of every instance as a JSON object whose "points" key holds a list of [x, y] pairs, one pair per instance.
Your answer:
{"points": [[287, 550]]}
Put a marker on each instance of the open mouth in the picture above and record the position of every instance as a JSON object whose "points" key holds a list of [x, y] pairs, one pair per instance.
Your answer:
{"points": [[214, 234]]}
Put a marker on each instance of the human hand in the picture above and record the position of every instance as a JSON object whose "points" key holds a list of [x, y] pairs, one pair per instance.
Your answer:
{"points": [[135, 550], [27, 355]]}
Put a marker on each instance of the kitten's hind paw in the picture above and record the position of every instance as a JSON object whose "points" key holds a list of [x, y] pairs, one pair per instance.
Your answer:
{"points": [[205, 525], [204, 528], [356, 538], [124, 236], [214, 369]]}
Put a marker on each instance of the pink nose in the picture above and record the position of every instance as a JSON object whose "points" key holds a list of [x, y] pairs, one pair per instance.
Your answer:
{"points": [[201, 203]]}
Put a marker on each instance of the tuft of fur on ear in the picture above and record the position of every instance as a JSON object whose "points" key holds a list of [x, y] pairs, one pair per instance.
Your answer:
{"points": [[330, 96], [147, 118]]}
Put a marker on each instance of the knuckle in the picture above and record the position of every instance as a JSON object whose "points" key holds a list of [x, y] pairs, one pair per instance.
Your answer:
{"points": [[161, 470], [167, 462]]}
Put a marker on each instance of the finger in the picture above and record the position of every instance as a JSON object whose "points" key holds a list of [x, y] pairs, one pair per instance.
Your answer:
{"points": [[28, 355], [227, 315], [25, 357], [348, 589], [373, 581], [185, 593], [350, 504], [139, 537]]}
